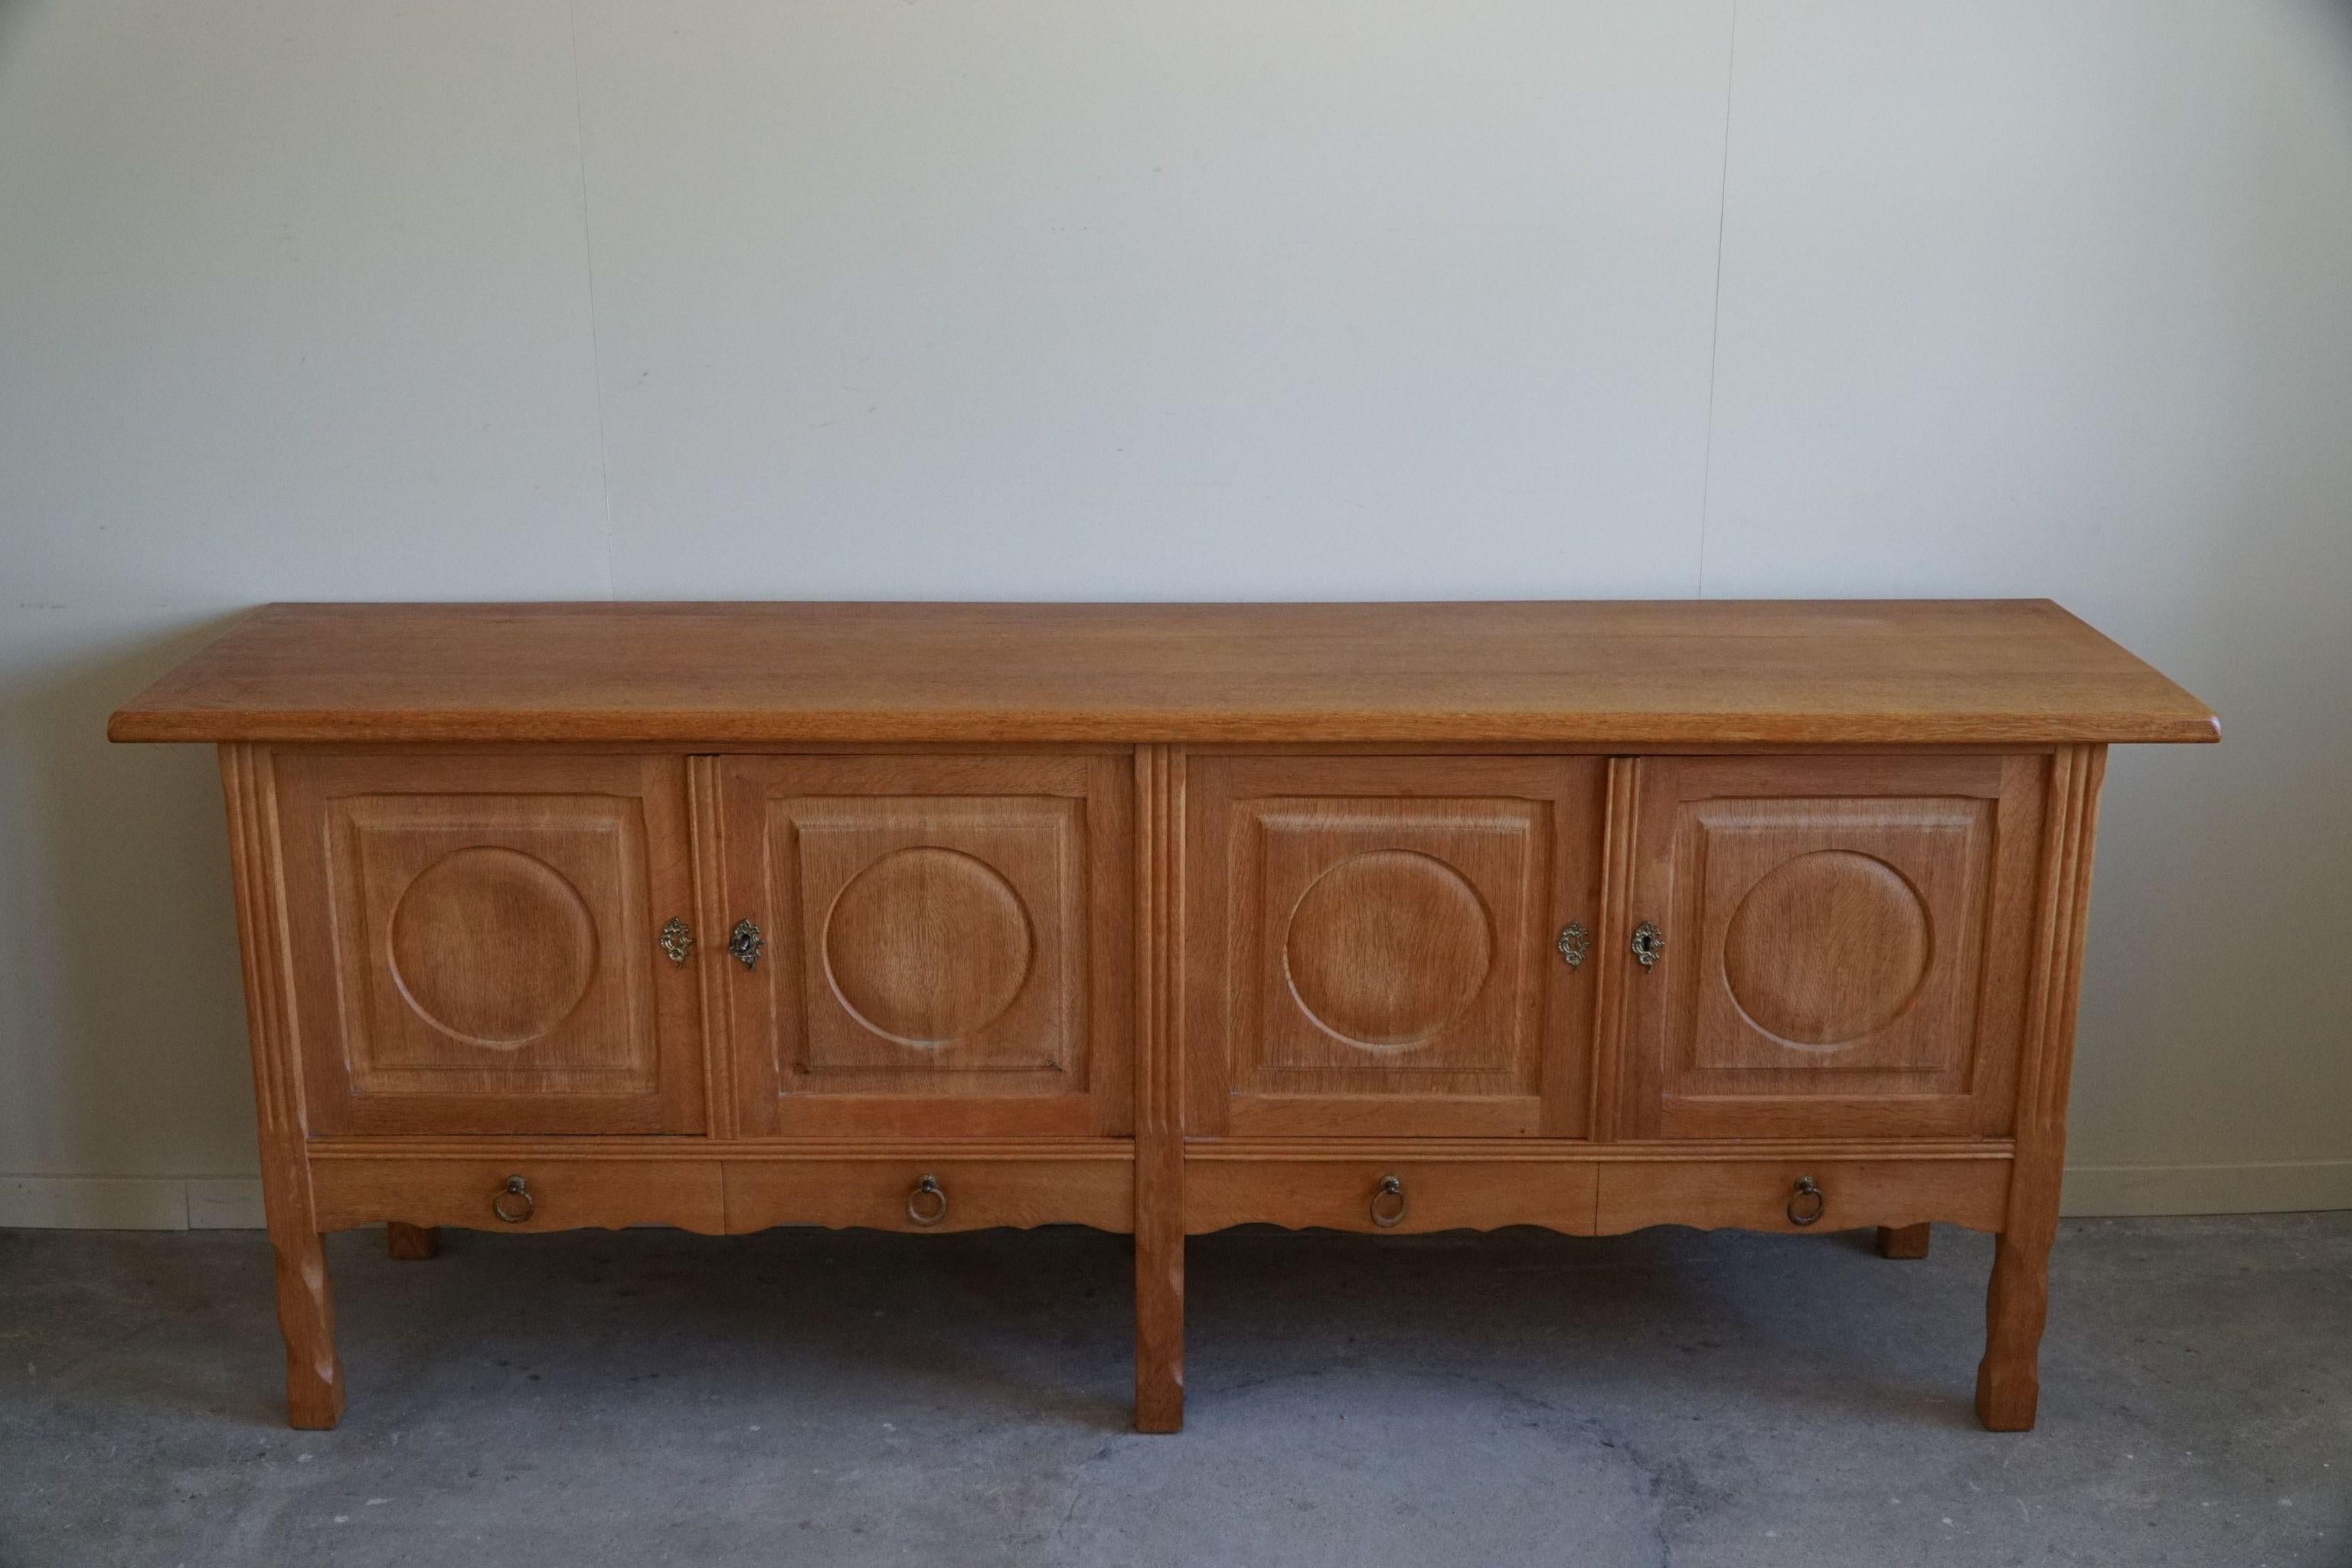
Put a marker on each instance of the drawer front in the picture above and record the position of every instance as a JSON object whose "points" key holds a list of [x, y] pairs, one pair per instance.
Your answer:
{"points": [[1372, 944], [552, 1194], [475, 942], [1779, 1195], [1399, 1197], [943, 942], [919, 1194], [1845, 946]]}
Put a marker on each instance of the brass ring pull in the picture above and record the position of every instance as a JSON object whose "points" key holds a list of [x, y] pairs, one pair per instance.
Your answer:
{"points": [[1807, 1202], [1388, 1202], [926, 1205], [513, 1202]]}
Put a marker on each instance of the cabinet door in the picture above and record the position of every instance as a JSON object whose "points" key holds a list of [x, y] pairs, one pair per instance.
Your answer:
{"points": [[946, 943], [1373, 945], [1846, 945], [476, 942]]}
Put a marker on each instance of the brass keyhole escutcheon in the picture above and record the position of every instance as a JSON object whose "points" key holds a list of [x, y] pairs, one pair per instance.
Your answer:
{"points": [[1649, 944], [677, 939], [746, 943], [1573, 943]]}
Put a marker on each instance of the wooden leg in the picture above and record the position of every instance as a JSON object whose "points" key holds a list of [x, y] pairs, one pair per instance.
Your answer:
{"points": [[1160, 1317], [305, 1315], [1159, 1102], [1903, 1241], [2009, 1380], [306, 1311], [415, 1243]]}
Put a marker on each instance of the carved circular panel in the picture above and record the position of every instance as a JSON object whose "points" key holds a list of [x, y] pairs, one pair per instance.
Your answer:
{"points": [[1387, 948], [1828, 947], [927, 945], [492, 947]]}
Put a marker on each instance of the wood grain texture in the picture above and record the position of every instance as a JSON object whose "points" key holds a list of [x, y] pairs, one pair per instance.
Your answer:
{"points": [[948, 942], [706, 828], [1629, 674], [306, 1308], [1161, 778], [1755, 1193], [411, 1242], [634, 1151], [2017, 1303], [1163, 919], [1847, 941], [1908, 1242], [564, 1193], [723, 1186], [1433, 1195], [1573, 1150], [475, 941], [1613, 931], [972, 1195], [1372, 944]]}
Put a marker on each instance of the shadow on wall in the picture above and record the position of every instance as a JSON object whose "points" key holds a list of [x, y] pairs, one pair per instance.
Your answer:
{"points": [[123, 1023]]}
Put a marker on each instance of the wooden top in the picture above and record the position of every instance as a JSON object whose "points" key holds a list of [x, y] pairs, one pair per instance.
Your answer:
{"points": [[1620, 673]]}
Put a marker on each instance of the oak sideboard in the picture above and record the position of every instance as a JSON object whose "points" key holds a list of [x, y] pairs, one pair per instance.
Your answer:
{"points": [[1161, 919]]}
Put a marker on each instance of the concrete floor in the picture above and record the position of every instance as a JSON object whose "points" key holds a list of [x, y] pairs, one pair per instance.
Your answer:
{"points": [[800, 1397]]}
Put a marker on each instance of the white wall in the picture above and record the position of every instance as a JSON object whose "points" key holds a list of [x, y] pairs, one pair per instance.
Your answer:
{"points": [[1219, 298]]}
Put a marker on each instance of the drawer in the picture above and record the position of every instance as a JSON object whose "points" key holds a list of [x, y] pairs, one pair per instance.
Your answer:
{"points": [[556, 1193], [960, 1195], [1762, 1194], [1353, 1194]]}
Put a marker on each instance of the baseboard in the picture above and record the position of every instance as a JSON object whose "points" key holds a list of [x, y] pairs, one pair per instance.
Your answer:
{"points": [[131, 1203], [233, 1202], [224, 1203], [2286, 1186]]}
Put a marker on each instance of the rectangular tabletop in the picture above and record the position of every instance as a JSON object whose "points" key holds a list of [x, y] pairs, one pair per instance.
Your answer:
{"points": [[1610, 672]]}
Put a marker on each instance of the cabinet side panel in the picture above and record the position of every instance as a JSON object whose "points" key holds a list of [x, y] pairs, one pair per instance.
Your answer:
{"points": [[2017, 1304], [306, 1311]]}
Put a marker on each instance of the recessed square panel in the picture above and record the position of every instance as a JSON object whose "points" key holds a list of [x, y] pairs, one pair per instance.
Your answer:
{"points": [[477, 938], [1386, 951], [949, 941], [1839, 935], [936, 933], [1846, 945], [484, 941], [1371, 945]]}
